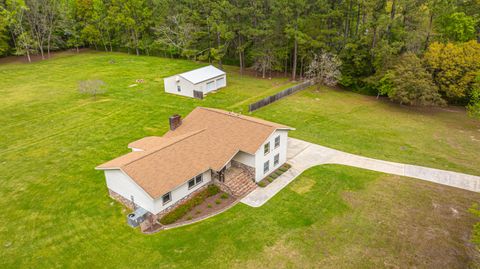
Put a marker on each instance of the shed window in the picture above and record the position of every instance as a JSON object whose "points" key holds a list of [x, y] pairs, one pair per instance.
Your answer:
{"points": [[277, 141], [179, 89], [167, 198], [266, 148], [266, 167], [276, 159]]}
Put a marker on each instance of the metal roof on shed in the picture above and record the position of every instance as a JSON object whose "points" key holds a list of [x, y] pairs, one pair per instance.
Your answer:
{"points": [[202, 74]]}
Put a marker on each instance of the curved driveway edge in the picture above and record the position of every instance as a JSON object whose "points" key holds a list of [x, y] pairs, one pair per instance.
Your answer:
{"points": [[303, 155]]}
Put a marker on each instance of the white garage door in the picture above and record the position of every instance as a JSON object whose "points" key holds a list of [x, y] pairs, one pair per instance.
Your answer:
{"points": [[220, 82], [210, 86]]}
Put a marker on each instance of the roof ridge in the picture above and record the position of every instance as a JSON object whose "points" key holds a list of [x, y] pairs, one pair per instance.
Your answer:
{"points": [[166, 146], [237, 115]]}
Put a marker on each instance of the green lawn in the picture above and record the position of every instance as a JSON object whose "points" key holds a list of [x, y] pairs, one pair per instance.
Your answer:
{"points": [[439, 138], [57, 213]]}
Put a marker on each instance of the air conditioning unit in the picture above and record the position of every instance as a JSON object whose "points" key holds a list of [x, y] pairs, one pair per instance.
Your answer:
{"points": [[135, 218]]}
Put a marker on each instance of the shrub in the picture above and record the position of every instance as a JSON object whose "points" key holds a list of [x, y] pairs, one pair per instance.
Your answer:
{"points": [[262, 184], [212, 190], [209, 205], [218, 201], [273, 175], [283, 169], [270, 179], [224, 196], [189, 217], [183, 209]]}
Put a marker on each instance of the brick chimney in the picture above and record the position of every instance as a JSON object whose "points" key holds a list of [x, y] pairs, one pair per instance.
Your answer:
{"points": [[175, 121]]}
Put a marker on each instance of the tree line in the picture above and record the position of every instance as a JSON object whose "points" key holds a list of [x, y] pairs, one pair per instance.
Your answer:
{"points": [[384, 47]]}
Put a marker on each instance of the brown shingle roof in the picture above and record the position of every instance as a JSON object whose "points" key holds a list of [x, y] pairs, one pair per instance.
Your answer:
{"points": [[207, 139]]}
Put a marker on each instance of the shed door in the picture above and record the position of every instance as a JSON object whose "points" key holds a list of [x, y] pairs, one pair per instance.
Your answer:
{"points": [[220, 82], [210, 86]]}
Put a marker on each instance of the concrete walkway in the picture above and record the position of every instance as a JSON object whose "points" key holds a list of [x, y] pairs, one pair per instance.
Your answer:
{"points": [[303, 155]]}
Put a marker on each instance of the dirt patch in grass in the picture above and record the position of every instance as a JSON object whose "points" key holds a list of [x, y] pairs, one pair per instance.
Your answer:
{"points": [[304, 186], [211, 205]]}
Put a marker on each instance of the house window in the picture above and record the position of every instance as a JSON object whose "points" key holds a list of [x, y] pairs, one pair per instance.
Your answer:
{"points": [[179, 89], [276, 159], [167, 198], [266, 148], [266, 166], [198, 179], [277, 141], [195, 181], [191, 183]]}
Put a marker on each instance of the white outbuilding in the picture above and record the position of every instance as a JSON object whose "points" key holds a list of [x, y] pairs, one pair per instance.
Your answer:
{"points": [[196, 83]]}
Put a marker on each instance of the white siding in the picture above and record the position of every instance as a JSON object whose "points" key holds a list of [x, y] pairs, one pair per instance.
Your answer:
{"points": [[202, 86], [245, 158], [261, 158], [122, 184], [187, 87]]}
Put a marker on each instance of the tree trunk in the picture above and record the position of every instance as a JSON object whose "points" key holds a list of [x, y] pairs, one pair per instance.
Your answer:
{"points": [[301, 68], [48, 45], [218, 48], [77, 49], [427, 39], [392, 16], [28, 55], [294, 63], [358, 18]]}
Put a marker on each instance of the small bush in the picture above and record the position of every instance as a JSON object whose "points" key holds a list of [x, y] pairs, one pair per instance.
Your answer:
{"points": [[224, 196], [212, 190], [282, 169], [274, 176], [270, 179], [209, 205], [218, 201], [262, 184], [189, 217], [183, 209]]}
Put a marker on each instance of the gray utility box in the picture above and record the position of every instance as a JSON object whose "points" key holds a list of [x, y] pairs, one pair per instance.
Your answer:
{"points": [[134, 219]]}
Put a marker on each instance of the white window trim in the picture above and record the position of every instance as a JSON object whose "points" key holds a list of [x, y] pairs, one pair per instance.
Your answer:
{"points": [[169, 199], [275, 142], [268, 167], [195, 183], [278, 160], [264, 147]]}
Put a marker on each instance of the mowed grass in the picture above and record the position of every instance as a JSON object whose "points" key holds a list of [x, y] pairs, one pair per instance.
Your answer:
{"points": [[57, 213], [442, 138]]}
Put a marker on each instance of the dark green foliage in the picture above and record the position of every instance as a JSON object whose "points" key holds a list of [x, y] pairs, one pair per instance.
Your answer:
{"points": [[262, 184], [224, 196], [212, 190], [410, 83], [183, 209]]}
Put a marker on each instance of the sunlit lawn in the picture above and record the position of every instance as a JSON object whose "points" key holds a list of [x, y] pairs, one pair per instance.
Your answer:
{"points": [[57, 213]]}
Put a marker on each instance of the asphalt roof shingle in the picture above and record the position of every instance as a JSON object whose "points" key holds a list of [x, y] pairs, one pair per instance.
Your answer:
{"points": [[207, 139]]}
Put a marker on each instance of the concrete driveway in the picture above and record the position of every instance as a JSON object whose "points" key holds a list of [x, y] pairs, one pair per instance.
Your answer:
{"points": [[303, 155]]}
